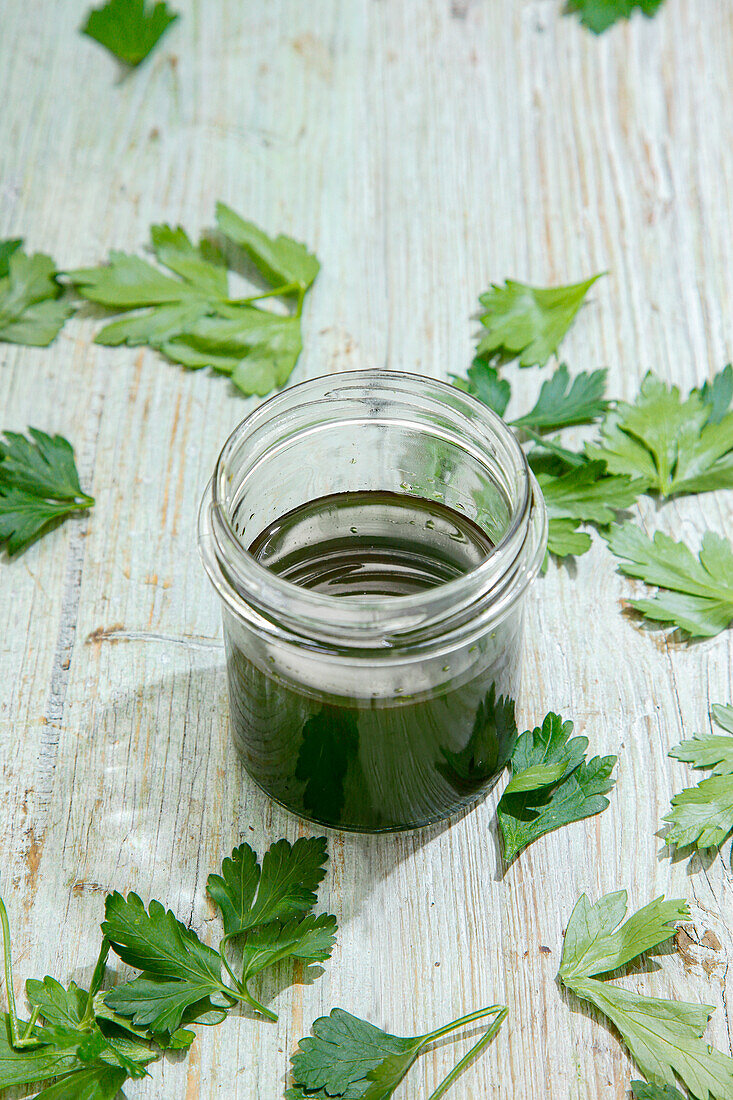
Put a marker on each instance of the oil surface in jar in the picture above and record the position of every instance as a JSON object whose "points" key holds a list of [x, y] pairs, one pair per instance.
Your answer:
{"points": [[371, 543], [375, 762]]}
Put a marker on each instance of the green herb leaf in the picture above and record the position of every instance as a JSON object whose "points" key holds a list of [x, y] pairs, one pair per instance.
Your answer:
{"points": [[29, 311], [257, 349], [189, 316], [564, 539], [643, 1091], [561, 404], [25, 1066], [287, 883], [586, 493], [179, 970], [280, 260], [703, 815], [65, 1007], [529, 322], [551, 784], [483, 381], [349, 1057], [7, 248], [673, 446], [718, 394], [695, 595], [664, 1037], [93, 1083], [599, 15], [39, 486], [129, 29], [310, 938]]}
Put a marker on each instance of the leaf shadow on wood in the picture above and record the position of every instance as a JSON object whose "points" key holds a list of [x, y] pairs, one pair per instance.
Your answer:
{"points": [[699, 859]]}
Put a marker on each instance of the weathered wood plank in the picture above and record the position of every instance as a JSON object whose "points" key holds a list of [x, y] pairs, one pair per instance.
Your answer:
{"points": [[423, 150]]}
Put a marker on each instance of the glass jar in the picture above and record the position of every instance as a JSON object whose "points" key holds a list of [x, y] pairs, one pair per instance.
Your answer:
{"points": [[382, 712]]}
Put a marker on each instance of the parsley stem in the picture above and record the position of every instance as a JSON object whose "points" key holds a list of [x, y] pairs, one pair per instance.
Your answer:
{"points": [[247, 998], [278, 292], [475, 1050], [230, 972], [27, 1039], [479, 1014]]}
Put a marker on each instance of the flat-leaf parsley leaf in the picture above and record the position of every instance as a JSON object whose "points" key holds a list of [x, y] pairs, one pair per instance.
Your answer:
{"points": [[664, 1037], [30, 312], [39, 486], [673, 446], [349, 1057], [703, 815], [599, 15], [528, 322], [552, 784], [129, 29], [695, 594]]}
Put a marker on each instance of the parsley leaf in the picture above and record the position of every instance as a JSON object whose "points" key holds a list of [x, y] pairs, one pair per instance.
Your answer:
{"points": [[7, 248], [528, 322], [703, 815], [188, 314], [599, 15], [696, 594], [664, 1037], [483, 381], [69, 1044], [287, 883], [642, 1091], [39, 486], [575, 494], [718, 394], [96, 1083], [585, 493], [179, 970], [349, 1057], [674, 446], [129, 29], [29, 311], [561, 404], [551, 784], [282, 261]]}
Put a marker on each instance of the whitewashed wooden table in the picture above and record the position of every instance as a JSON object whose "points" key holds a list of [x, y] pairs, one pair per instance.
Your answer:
{"points": [[422, 149]]}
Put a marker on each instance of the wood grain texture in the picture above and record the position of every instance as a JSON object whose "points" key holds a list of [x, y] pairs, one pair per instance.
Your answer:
{"points": [[423, 150]]}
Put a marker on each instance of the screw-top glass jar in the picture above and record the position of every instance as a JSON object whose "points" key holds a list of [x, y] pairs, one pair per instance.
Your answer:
{"points": [[372, 537]]}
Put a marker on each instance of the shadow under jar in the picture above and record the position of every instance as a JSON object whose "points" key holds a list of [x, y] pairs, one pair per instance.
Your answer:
{"points": [[372, 537]]}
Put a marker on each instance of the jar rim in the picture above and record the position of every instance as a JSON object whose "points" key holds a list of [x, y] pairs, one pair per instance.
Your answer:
{"points": [[277, 606]]}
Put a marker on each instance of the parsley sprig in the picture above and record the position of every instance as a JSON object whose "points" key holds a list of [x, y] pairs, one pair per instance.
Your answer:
{"points": [[664, 1037], [268, 909], [349, 1057], [187, 312], [39, 487], [703, 815], [93, 1040]]}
